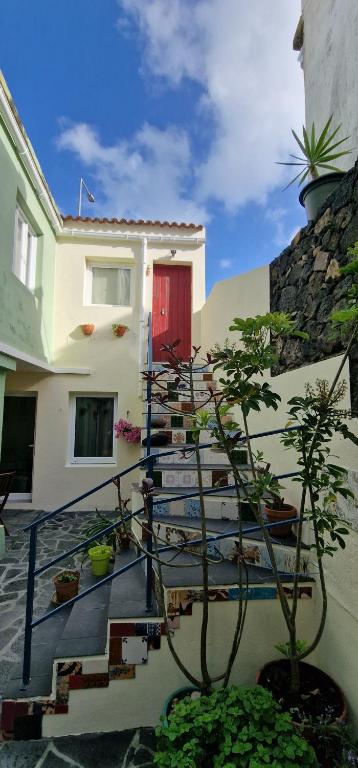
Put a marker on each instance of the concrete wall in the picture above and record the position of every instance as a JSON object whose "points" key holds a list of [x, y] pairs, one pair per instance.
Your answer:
{"points": [[26, 317], [245, 296], [330, 56]]}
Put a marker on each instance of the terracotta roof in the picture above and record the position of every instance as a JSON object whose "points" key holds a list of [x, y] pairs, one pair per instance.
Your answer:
{"points": [[133, 222]]}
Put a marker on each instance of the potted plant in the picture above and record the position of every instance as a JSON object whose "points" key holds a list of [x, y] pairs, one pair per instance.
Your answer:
{"points": [[119, 329], [317, 153], [87, 329], [233, 727], [126, 430], [99, 556], [277, 510], [66, 585]]}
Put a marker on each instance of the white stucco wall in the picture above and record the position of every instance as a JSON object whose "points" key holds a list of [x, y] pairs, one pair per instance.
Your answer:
{"points": [[330, 56], [112, 363], [248, 295], [138, 702]]}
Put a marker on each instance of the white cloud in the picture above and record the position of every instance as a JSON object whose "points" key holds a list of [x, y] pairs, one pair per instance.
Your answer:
{"points": [[144, 178], [225, 263], [240, 54]]}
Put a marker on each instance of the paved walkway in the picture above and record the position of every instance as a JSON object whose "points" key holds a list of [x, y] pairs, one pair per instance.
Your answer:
{"points": [[127, 749], [53, 538]]}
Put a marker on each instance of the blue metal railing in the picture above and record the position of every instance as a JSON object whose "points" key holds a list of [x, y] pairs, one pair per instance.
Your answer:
{"points": [[149, 462]]}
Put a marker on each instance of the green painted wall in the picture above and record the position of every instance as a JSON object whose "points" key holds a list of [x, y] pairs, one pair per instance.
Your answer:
{"points": [[6, 365], [26, 318]]}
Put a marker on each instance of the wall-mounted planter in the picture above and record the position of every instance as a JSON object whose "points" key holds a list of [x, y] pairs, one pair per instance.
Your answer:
{"points": [[119, 330], [313, 195], [87, 329]]}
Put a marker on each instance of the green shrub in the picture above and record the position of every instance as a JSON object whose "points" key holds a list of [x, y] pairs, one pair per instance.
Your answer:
{"points": [[232, 727]]}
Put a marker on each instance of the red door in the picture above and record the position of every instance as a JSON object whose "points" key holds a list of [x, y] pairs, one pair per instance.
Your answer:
{"points": [[171, 310]]}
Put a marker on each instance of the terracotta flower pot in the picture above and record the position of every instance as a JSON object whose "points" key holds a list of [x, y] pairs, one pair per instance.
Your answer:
{"points": [[120, 330], [275, 515], [88, 328], [66, 590]]}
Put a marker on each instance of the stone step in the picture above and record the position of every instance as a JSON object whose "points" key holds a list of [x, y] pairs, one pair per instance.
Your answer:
{"points": [[176, 530]]}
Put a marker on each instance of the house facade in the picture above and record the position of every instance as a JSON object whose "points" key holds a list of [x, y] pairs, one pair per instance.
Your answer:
{"points": [[61, 390]]}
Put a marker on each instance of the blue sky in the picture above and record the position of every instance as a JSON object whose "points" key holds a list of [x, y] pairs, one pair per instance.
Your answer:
{"points": [[169, 109]]}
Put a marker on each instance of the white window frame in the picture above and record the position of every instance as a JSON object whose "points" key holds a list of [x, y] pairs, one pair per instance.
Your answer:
{"points": [[29, 279], [90, 460], [90, 265]]}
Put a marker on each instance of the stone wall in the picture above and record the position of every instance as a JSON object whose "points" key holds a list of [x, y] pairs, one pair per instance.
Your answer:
{"points": [[303, 281]]}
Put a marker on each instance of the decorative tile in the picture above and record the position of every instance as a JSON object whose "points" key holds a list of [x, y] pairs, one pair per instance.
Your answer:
{"points": [[121, 671], [89, 666], [49, 708], [65, 668], [187, 407], [189, 438], [28, 727], [62, 690], [61, 709], [187, 422], [134, 650], [207, 479], [192, 508], [168, 459], [117, 629], [187, 479], [178, 436], [162, 509], [220, 477], [157, 479], [177, 422], [305, 593], [207, 376], [8, 716], [169, 479], [141, 629], [251, 552], [173, 622], [115, 650], [80, 682]]}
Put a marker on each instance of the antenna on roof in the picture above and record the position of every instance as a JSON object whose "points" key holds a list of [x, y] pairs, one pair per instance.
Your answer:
{"points": [[90, 197]]}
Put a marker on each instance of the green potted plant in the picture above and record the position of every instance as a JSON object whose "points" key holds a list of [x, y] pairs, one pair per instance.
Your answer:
{"points": [[277, 510], [317, 153], [99, 556], [66, 585], [119, 329], [241, 727]]}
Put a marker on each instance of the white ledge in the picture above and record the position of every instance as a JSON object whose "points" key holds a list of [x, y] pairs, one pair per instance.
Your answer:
{"points": [[40, 365]]}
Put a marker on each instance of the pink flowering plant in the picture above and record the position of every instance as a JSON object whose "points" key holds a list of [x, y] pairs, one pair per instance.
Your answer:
{"points": [[127, 431]]}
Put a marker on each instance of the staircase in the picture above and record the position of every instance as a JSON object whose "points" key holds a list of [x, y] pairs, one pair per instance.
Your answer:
{"points": [[109, 666]]}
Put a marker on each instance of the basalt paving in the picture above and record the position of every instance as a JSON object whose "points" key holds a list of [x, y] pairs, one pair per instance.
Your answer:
{"points": [[54, 538], [127, 749]]}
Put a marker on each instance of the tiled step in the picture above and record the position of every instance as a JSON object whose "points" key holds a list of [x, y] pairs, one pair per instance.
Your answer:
{"points": [[176, 530], [185, 456]]}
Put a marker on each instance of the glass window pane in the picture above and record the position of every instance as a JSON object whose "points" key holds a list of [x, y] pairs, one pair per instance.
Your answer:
{"points": [[111, 285], [94, 427]]}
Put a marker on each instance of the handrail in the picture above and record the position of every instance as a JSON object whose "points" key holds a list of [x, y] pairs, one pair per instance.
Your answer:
{"points": [[140, 558], [145, 460]]}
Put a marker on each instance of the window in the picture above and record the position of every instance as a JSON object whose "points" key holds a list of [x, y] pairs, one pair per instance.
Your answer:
{"points": [[92, 429], [25, 244], [109, 285]]}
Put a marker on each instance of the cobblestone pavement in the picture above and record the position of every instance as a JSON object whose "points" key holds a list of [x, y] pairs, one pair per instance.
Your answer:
{"points": [[54, 537], [127, 749]]}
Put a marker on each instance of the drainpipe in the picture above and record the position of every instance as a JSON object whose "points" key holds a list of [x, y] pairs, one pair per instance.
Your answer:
{"points": [[141, 307]]}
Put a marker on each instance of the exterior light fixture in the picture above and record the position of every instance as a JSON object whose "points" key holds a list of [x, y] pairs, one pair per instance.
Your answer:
{"points": [[90, 197]]}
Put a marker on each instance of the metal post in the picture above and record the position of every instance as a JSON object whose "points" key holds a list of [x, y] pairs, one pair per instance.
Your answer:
{"points": [[149, 474], [29, 608]]}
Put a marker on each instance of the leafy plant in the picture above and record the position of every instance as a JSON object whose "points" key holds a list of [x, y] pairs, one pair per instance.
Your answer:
{"points": [[334, 743], [347, 317], [232, 727], [66, 578], [286, 650], [317, 152]]}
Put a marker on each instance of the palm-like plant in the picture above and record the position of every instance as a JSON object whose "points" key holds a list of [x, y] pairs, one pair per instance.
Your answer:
{"points": [[317, 152]]}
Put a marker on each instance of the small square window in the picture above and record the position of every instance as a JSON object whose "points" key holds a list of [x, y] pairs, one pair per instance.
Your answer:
{"points": [[25, 246], [110, 285], [92, 438]]}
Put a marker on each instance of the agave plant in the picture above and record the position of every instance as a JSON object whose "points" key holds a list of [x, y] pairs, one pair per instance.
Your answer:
{"points": [[317, 152]]}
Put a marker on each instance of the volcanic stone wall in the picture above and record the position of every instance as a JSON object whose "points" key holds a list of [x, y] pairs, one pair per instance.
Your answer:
{"points": [[303, 281]]}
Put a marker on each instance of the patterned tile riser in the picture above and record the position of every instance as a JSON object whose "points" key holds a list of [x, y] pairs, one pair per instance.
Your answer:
{"points": [[136, 640], [188, 478], [179, 406], [216, 509], [255, 552], [207, 455]]}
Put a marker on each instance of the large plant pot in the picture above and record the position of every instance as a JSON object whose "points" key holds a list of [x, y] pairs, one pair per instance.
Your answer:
{"points": [[320, 698], [275, 515], [314, 194], [66, 591], [176, 696], [100, 557]]}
